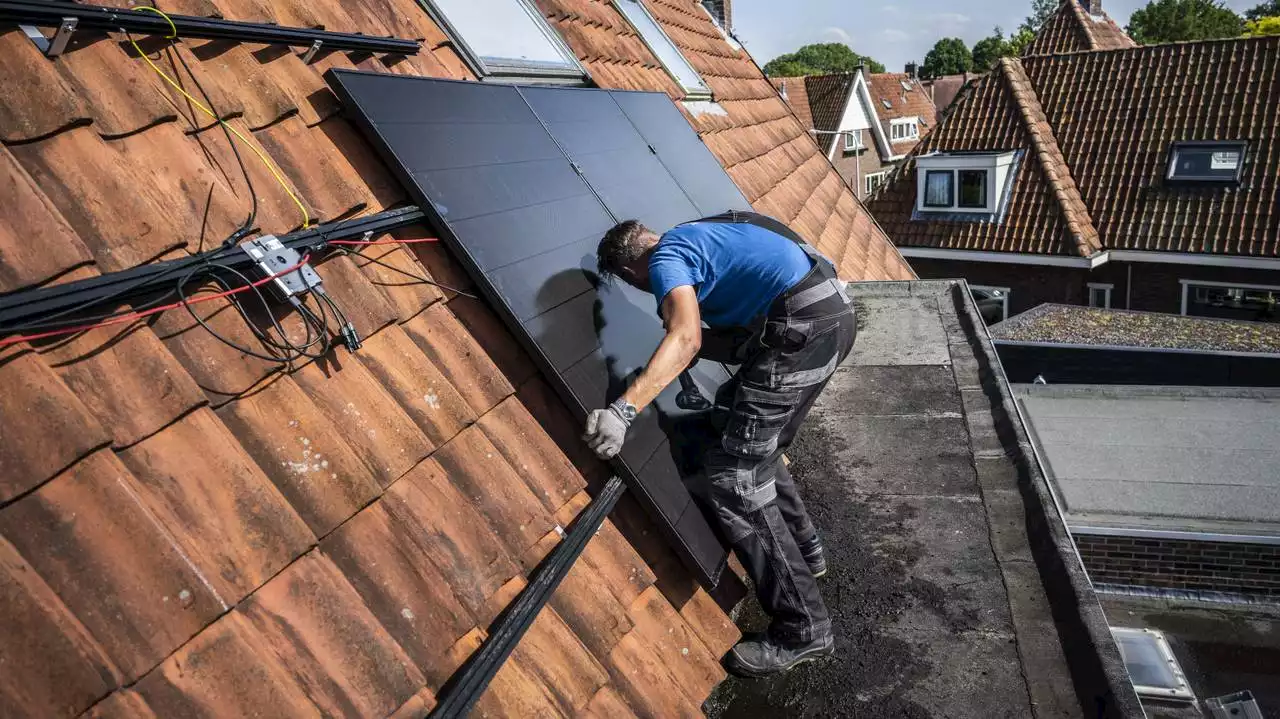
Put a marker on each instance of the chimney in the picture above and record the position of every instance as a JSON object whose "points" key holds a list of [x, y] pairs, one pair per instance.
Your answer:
{"points": [[912, 70], [1093, 7], [722, 11], [783, 90]]}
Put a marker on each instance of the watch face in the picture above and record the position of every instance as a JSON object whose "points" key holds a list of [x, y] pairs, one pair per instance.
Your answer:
{"points": [[628, 411]]}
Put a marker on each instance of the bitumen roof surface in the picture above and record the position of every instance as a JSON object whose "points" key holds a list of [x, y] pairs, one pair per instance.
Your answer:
{"points": [[1072, 324], [948, 564], [1174, 458]]}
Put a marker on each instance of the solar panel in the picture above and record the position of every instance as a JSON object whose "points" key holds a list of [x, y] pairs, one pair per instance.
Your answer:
{"points": [[522, 182]]}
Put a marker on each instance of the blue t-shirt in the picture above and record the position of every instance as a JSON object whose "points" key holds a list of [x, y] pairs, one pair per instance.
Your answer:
{"points": [[738, 269]]}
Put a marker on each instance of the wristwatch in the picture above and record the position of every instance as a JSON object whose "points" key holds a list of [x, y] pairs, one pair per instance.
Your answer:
{"points": [[625, 410]]}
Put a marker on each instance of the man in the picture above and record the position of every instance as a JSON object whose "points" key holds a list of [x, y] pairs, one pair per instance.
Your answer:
{"points": [[775, 307]]}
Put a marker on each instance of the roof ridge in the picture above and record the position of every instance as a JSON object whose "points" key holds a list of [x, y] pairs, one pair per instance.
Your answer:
{"points": [[1052, 162], [1077, 11]]}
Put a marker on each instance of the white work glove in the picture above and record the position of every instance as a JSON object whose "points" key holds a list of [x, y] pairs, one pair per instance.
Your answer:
{"points": [[607, 428]]}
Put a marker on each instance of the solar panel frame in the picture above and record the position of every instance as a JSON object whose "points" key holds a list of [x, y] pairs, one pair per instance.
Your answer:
{"points": [[572, 366]]}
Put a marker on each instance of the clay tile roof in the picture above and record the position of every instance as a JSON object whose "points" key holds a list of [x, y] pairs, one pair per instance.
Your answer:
{"points": [[828, 97], [943, 90], [892, 100], [165, 498], [1077, 27], [794, 91], [1096, 128]]}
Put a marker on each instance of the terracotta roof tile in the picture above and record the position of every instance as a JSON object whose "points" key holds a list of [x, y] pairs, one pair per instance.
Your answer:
{"points": [[227, 670], [606, 704], [1073, 29], [116, 86], [223, 372], [635, 666], [319, 628], [325, 181], [515, 690], [373, 422], [596, 616], [368, 308], [46, 426], [121, 704], [551, 652], [73, 671], [112, 563], [888, 87], [796, 93], [458, 355], [531, 453], [35, 241], [392, 568], [304, 454], [419, 705], [231, 522], [562, 427], [382, 189], [396, 272], [126, 378], [38, 100], [696, 671], [420, 388]]}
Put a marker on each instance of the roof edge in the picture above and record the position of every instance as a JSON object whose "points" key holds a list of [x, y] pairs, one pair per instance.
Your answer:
{"points": [[1052, 162]]}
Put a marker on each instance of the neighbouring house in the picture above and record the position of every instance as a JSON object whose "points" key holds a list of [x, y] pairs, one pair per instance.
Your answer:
{"points": [[1140, 178], [865, 122], [942, 91], [191, 526], [1078, 26]]}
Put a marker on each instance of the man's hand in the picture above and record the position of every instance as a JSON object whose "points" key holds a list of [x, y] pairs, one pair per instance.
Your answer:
{"points": [[607, 429]]}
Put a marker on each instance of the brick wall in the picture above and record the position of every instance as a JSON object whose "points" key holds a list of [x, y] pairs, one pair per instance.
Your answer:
{"points": [[1182, 564], [1029, 285], [854, 166]]}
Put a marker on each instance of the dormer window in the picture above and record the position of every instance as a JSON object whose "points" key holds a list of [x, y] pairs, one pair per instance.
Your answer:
{"points": [[1211, 163], [962, 182], [904, 130]]}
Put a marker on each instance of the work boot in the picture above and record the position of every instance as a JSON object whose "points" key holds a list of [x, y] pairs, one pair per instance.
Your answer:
{"points": [[762, 656], [815, 557]]}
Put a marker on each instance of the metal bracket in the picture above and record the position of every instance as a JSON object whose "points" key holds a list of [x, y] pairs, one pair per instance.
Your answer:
{"points": [[310, 53], [62, 36]]}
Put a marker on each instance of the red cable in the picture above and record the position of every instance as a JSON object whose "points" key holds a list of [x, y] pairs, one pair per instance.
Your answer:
{"points": [[138, 315], [382, 242]]}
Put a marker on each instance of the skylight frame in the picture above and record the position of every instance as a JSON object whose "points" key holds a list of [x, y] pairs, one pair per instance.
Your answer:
{"points": [[701, 91], [512, 69], [1172, 178], [1157, 641]]}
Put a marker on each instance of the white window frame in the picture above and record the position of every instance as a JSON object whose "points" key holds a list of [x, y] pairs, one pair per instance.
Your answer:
{"points": [[996, 165], [1186, 288], [497, 69], [1005, 291], [701, 91], [852, 140], [909, 127], [867, 189], [1106, 288], [1165, 652]]}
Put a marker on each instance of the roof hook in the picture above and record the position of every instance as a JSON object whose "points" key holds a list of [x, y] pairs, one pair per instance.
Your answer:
{"points": [[55, 46], [310, 54]]}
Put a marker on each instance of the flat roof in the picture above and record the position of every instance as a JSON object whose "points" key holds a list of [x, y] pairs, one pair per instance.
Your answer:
{"points": [[1072, 324], [1196, 459], [948, 562]]}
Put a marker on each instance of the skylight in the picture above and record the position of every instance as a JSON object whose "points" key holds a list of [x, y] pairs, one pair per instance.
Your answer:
{"points": [[1206, 162], [505, 37], [906, 86], [665, 50], [887, 105], [1152, 667]]}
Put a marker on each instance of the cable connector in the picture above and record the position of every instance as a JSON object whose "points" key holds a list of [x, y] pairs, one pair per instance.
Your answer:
{"points": [[350, 337]]}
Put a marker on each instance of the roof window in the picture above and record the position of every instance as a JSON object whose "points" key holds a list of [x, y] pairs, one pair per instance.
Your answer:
{"points": [[664, 49], [505, 39], [1206, 162], [1153, 669], [965, 183], [904, 129]]}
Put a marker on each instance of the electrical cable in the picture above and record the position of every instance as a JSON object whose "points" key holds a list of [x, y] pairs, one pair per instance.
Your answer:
{"points": [[419, 278], [383, 242]]}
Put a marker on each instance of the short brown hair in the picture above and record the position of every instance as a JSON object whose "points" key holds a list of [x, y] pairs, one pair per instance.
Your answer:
{"points": [[620, 246]]}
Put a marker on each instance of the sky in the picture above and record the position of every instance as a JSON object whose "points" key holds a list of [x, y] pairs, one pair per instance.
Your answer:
{"points": [[892, 32]]}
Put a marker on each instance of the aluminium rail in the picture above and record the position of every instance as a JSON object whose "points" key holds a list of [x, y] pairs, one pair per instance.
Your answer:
{"points": [[61, 14]]}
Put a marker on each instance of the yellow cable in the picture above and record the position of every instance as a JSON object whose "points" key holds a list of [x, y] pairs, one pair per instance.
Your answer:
{"points": [[306, 218]]}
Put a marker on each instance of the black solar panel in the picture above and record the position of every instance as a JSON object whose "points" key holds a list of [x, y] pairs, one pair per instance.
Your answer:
{"points": [[522, 182]]}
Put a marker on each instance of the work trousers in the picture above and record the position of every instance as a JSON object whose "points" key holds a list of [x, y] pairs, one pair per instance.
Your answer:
{"points": [[784, 365]]}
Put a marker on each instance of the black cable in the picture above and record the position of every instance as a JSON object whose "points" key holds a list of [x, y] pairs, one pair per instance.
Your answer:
{"points": [[420, 278], [292, 351]]}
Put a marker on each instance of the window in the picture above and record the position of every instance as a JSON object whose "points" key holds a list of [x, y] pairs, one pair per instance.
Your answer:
{"points": [[1206, 162], [904, 130], [971, 183], [1153, 669], [505, 38], [665, 50], [992, 302], [938, 188], [873, 182], [1100, 295], [1250, 303], [852, 140]]}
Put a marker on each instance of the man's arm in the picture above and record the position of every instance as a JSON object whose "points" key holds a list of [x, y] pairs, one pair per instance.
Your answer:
{"points": [[607, 428]]}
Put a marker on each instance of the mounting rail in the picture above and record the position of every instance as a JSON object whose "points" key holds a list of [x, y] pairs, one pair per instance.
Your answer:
{"points": [[31, 305], [69, 17]]}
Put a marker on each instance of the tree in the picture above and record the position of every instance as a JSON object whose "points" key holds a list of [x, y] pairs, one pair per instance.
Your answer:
{"points": [[1041, 11], [1262, 26], [949, 56], [1019, 42], [1266, 9], [990, 49], [1175, 20], [819, 59]]}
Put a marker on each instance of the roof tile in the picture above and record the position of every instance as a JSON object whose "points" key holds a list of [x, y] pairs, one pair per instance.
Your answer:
{"points": [[52, 666], [275, 211], [694, 668], [46, 426], [230, 520], [375, 178], [375, 425], [595, 616], [38, 100], [222, 371], [114, 565], [515, 433], [566, 431], [303, 453], [419, 705], [717, 632], [606, 704], [369, 308], [551, 652], [514, 691], [422, 391], [126, 378], [392, 568], [394, 270], [116, 86], [317, 626], [227, 670], [35, 241], [635, 668], [458, 355], [325, 181], [121, 704]]}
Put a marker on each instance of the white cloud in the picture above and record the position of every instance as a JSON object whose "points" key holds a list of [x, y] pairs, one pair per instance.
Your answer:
{"points": [[837, 34], [893, 35], [949, 19]]}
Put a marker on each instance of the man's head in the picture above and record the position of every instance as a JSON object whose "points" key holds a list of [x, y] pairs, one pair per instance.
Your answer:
{"points": [[624, 253]]}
